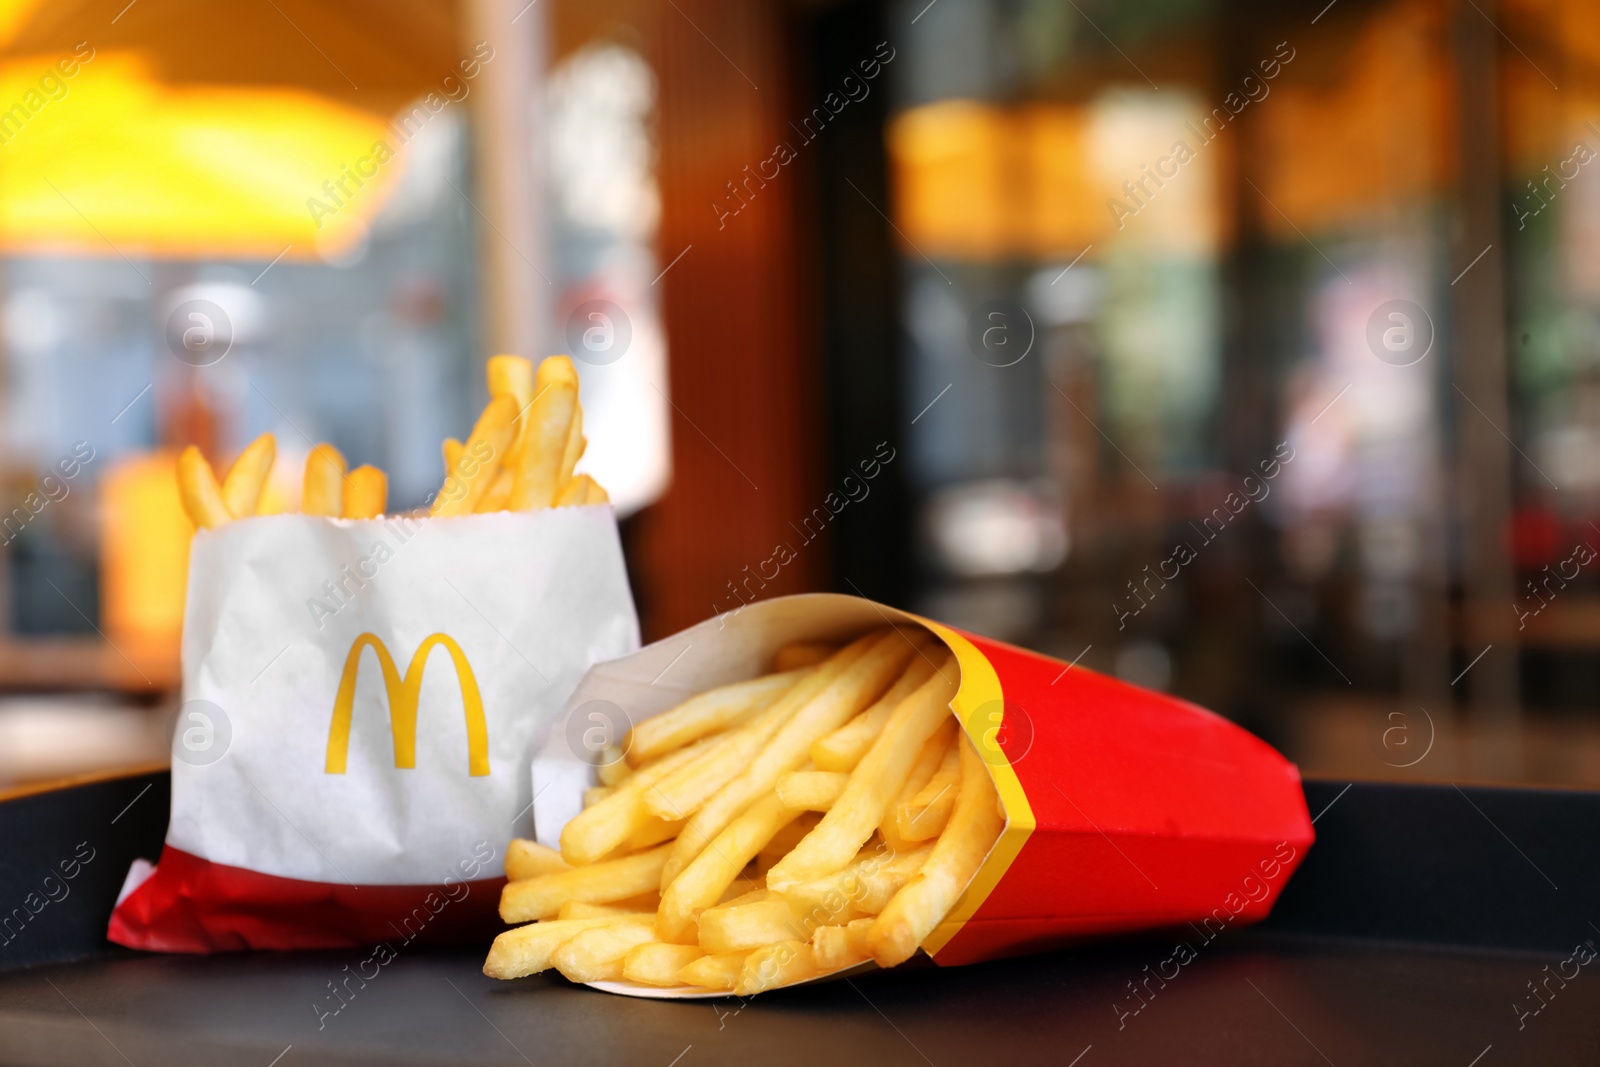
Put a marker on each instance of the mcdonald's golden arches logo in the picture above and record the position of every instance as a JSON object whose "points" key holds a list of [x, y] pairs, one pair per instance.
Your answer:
{"points": [[403, 693]]}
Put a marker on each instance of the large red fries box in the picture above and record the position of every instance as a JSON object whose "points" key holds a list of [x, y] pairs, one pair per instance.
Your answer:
{"points": [[1125, 809]]}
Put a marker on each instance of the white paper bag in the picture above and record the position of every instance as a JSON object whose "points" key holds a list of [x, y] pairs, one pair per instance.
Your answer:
{"points": [[361, 702]]}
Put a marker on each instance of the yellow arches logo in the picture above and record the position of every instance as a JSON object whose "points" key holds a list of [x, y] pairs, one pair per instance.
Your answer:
{"points": [[403, 696]]}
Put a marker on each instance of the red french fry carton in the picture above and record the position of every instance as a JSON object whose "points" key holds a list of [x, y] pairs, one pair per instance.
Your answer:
{"points": [[1125, 809]]}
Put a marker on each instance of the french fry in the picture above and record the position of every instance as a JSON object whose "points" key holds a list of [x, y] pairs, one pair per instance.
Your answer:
{"points": [[528, 859], [596, 831], [599, 883], [842, 749], [863, 888], [613, 769], [974, 827], [714, 869], [742, 927], [575, 446], [658, 964], [511, 376], [652, 831], [322, 492], [873, 786], [202, 496], [595, 794], [873, 662], [924, 815], [811, 790], [802, 654], [703, 714], [834, 948], [783, 963], [452, 454], [241, 488], [596, 954], [550, 420], [681, 793], [366, 493], [934, 752], [594, 492], [577, 909], [525, 950], [714, 972], [475, 470], [498, 493], [573, 492], [732, 898]]}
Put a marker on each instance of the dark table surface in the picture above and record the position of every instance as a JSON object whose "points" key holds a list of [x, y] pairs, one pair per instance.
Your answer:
{"points": [[1425, 927]]}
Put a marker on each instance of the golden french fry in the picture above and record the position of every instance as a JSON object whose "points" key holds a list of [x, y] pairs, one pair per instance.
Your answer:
{"points": [[784, 963], [322, 492], [834, 948], [599, 883], [596, 831], [577, 909], [842, 749], [575, 446], [702, 882], [863, 888], [742, 927], [934, 752], [550, 420], [872, 662], [486, 448], [783, 842], [202, 496], [595, 492], [923, 816], [705, 713], [714, 972], [811, 790], [658, 964], [652, 831], [573, 493], [873, 786], [681, 793], [732, 898], [241, 488], [499, 491], [528, 859], [596, 954], [802, 654], [595, 794], [452, 454], [613, 769], [526, 950], [366, 493], [511, 376], [974, 827]]}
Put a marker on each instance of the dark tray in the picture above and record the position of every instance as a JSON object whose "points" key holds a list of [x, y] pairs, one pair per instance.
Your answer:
{"points": [[1429, 925]]}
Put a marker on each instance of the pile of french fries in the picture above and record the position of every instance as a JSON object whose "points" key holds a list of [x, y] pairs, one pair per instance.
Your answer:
{"points": [[766, 832], [519, 456]]}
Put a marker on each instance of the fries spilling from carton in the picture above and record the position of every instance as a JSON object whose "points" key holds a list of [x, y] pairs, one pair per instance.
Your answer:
{"points": [[519, 456], [765, 832]]}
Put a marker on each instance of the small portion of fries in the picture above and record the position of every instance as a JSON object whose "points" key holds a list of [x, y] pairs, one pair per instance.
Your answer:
{"points": [[519, 456], [765, 832]]}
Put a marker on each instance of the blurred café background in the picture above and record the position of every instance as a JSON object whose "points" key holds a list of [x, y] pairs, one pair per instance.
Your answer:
{"points": [[1248, 351]]}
